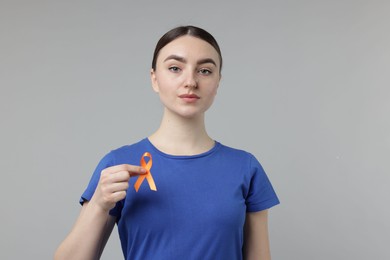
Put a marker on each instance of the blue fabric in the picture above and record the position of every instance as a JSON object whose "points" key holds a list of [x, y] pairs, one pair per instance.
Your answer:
{"points": [[199, 208]]}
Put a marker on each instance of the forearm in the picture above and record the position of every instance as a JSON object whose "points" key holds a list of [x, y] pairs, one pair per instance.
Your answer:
{"points": [[94, 225], [88, 236]]}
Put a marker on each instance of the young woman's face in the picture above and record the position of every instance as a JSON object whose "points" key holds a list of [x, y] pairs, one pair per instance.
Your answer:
{"points": [[187, 76]]}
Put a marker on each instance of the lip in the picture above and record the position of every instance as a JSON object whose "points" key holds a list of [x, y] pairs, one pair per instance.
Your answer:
{"points": [[189, 98]]}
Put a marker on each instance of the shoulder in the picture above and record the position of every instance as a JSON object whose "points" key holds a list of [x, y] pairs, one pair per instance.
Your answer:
{"points": [[236, 153], [247, 160], [125, 153], [130, 147]]}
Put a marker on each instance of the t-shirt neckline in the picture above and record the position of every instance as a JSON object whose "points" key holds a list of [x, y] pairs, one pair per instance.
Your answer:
{"points": [[212, 150]]}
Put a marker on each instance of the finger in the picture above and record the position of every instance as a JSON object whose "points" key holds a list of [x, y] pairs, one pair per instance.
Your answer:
{"points": [[132, 169], [121, 176], [108, 178], [119, 195], [107, 190], [116, 187]]}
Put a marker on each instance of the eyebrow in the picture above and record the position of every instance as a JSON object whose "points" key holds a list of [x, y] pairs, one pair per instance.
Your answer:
{"points": [[182, 59]]}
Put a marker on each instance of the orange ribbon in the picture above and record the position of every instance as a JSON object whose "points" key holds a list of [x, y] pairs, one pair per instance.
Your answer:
{"points": [[147, 175]]}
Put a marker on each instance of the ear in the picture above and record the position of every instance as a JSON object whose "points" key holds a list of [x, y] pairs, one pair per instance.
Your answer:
{"points": [[154, 80]]}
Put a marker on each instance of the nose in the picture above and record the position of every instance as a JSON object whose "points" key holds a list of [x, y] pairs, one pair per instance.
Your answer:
{"points": [[191, 81]]}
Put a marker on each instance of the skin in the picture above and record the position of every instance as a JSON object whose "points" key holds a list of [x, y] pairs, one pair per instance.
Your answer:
{"points": [[185, 66], [181, 69], [256, 241], [94, 219]]}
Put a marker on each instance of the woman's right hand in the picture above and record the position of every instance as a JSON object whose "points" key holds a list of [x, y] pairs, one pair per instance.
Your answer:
{"points": [[94, 219], [113, 185]]}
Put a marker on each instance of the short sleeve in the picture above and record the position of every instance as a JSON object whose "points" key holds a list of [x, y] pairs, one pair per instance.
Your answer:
{"points": [[261, 194], [105, 162]]}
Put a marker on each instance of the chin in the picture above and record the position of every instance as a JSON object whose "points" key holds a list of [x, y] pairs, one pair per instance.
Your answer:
{"points": [[188, 113]]}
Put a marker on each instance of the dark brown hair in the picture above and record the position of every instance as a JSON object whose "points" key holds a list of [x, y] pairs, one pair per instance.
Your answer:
{"points": [[181, 31]]}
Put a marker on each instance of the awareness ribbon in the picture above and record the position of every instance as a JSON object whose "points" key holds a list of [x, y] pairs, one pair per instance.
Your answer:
{"points": [[147, 175]]}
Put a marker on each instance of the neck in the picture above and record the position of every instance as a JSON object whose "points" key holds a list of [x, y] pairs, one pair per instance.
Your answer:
{"points": [[182, 136]]}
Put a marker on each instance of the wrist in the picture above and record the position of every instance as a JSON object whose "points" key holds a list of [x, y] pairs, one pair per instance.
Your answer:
{"points": [[98, 208]]}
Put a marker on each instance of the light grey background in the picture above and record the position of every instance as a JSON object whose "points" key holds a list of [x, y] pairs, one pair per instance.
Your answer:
{"points": [[305, 87]]}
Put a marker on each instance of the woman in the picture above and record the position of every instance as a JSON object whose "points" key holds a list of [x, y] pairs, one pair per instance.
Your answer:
{"points": [[193, 198]]}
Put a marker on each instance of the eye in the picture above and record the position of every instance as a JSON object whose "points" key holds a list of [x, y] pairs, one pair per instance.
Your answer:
{"points": [[205, 71], [174, 69]]}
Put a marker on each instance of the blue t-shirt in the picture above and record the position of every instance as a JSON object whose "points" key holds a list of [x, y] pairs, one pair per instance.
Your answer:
{"points": [[199, 208]]}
